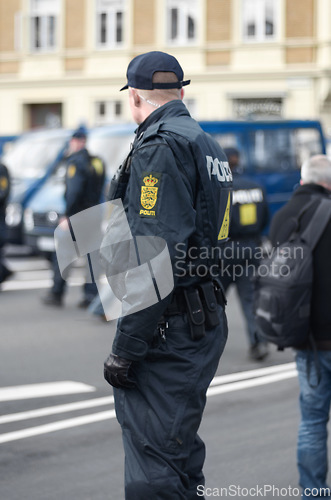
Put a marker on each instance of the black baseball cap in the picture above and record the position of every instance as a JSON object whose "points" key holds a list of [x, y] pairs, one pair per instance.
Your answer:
{"points": [[142, 68], [80, 133]]}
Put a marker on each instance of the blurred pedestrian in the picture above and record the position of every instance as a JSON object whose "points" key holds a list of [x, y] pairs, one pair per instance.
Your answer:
{"points": [[4, 194], [249, 217], [165, 356], [85, 177], [314, 370]]}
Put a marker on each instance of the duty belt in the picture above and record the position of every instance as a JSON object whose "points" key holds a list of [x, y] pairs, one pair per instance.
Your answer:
{"points": [[200, 304]]}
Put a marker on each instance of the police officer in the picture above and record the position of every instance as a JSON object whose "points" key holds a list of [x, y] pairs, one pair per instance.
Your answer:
{"points": [[85, 179], [4, 194], [250, 216], [165, 356]]}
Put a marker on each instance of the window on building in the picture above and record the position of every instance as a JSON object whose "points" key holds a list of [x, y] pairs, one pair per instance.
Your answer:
{"points": [[259, 20], [107, 112], [182, 21], [44, 15], [110, 22], [258, 107]]}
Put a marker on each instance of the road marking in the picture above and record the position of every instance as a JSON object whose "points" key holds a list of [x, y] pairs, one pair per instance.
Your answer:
{"points": [[43, 390], [53, 410], [246, 384], [220, 385], [12, 285], [259, 372], [56, 426]]}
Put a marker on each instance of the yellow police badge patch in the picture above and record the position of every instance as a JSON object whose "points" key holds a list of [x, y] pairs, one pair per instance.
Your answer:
{"points": [[149, 193], [3, 183], [71, 171]]}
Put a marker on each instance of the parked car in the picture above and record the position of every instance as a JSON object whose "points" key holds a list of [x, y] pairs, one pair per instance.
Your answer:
{"points": [[271, 152], [30, 161], [5, 141]]}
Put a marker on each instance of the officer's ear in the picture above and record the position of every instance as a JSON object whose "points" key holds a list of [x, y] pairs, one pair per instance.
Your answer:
{"points": [[182, 93], [136, 100]]}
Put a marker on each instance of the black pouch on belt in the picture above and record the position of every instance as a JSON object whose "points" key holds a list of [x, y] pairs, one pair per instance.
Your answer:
{"points": [[196, 315], [209, 304]]}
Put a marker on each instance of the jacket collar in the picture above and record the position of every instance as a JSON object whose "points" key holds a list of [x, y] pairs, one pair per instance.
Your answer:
{"points": [[168, 110]]}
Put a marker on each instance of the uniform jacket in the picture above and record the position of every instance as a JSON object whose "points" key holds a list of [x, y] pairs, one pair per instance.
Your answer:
{"points": [[84, 182], [282, 225], [191, 206], [250, 211]]}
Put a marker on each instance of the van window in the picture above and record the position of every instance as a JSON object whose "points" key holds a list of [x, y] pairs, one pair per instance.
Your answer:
{"points": [[283, 149]]}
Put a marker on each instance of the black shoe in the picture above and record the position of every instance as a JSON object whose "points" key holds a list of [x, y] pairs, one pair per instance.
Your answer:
{"points": [[52, 299], [84, 303], [258, 351], [6, 273]]}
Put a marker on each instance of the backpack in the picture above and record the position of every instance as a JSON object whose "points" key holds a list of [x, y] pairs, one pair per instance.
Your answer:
{"points": [[284, 284]]}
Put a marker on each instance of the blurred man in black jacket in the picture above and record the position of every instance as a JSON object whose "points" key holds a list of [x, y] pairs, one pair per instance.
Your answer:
{"points": [[315, 398]]}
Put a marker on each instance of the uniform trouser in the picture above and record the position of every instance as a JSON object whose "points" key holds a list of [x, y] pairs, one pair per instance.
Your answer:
{"points": [[160, 418], [240, 273]]}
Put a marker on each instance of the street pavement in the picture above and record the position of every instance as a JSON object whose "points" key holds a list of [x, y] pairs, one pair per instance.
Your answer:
{"points": [[59, 438]]}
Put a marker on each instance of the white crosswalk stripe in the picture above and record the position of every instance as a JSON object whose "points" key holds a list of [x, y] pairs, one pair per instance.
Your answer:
{"points": [[220, 385]]}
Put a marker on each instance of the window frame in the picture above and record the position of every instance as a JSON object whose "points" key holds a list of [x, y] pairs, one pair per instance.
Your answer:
{"points": [[260, 18], [186, 10], [112, 25], [46, 16]]}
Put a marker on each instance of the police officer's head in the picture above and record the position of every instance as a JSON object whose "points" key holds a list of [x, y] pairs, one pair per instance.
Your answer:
{"points": [[78, 140], [154, 78], [233, 157]]}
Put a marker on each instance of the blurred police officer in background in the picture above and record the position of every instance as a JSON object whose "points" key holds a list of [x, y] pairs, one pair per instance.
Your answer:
{"points": [[85, 177], [250, 216], [165, 356], [4, 194]]}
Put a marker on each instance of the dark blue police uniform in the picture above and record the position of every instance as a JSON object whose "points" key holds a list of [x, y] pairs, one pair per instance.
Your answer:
{"points": [[249, 217], [173, 363], [85, 178]]}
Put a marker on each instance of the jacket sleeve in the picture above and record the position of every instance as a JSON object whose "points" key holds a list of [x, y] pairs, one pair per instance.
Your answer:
{"points": [[75, 187], [159, 203], [4, 184]]}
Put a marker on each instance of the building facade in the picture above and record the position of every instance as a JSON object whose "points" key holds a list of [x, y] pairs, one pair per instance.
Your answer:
{"points": [[62, 62]]}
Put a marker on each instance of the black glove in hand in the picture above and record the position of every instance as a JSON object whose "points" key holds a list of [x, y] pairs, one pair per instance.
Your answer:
{"points": [[116, 372]]}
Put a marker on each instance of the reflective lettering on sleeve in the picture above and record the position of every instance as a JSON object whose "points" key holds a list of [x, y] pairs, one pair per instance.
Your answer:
{"points": [[218, 168], [224, 231], [248, 214]]}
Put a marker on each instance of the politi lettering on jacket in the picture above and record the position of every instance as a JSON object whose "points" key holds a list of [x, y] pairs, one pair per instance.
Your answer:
{"points": [[219, 168], [243, 196], [149, 194]]}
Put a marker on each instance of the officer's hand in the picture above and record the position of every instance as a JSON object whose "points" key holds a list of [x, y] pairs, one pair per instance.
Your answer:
{"points": [[116, 372]]}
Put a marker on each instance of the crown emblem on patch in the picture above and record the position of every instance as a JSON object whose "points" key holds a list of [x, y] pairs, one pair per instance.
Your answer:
{"points": [[150, 181]]}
